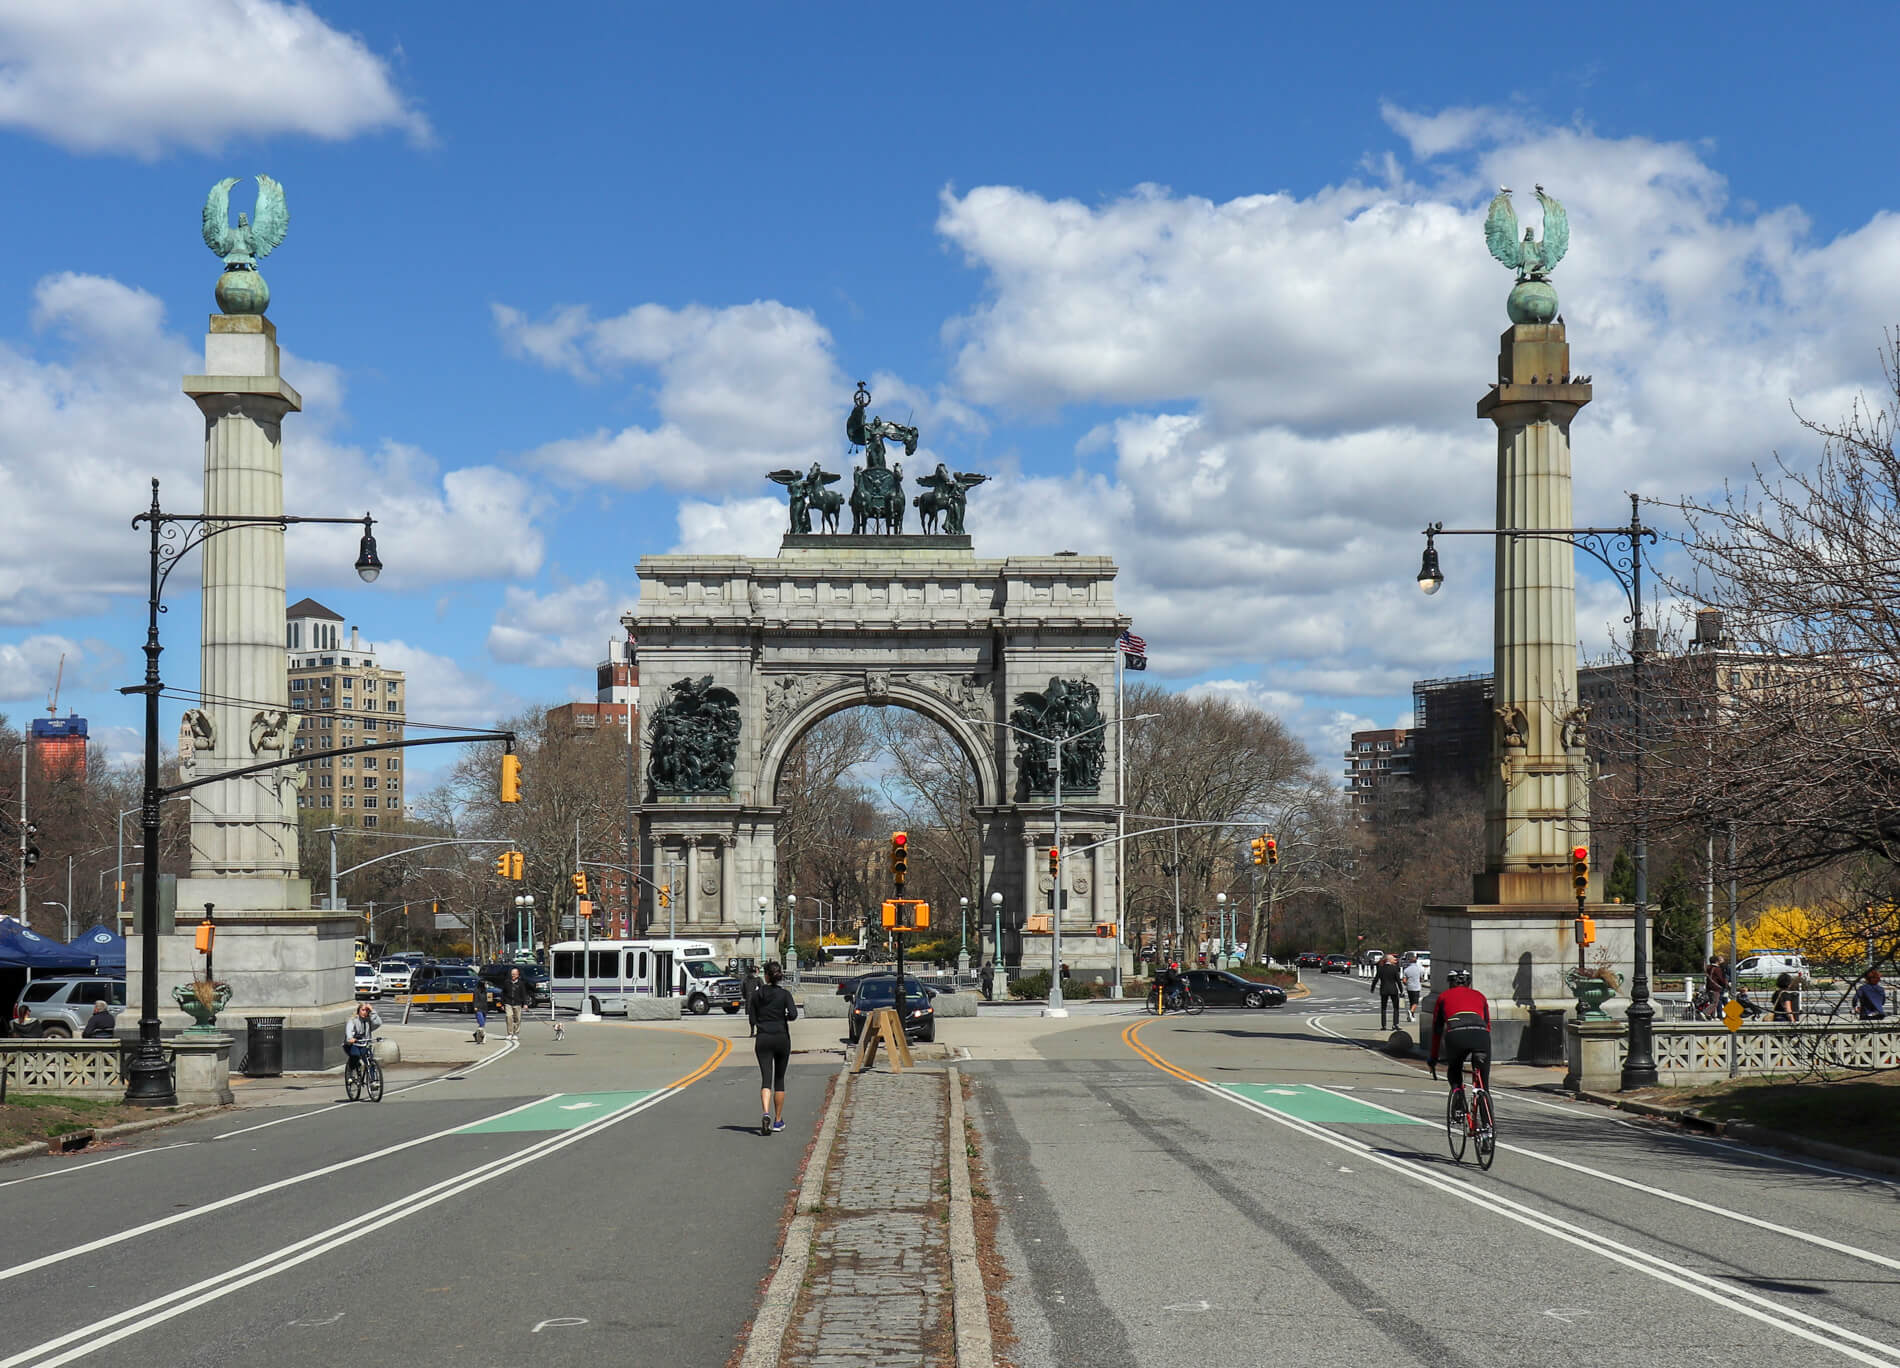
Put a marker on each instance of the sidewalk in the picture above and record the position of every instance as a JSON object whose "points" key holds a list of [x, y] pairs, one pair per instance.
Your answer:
{"points": [[879, 1267]]}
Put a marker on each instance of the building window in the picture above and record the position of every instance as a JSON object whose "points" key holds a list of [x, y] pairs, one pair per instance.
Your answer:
{"points": [[349, 781], [392, 706], [389, 686], [392, 763], [326, 779], [296, 686], [348, 801], [369, 724], [369, 762], [369, 802], [369, 821], [369, 781]]}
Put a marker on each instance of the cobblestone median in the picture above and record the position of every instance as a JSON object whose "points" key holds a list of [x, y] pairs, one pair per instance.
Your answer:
{"points": [[878, 1292]]}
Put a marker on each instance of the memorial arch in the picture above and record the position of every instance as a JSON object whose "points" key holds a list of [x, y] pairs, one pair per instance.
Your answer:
{"points": [[740, 656]]}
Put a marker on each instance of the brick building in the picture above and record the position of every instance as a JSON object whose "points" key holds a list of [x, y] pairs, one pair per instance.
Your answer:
{"points": [[345, 698]]}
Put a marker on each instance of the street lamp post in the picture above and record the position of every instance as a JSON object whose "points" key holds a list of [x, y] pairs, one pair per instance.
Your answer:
{"points": [[149, 1080], [963, 943], [65, 907], [1625, 564], [765, 907], [524, 902], [999, 976], [791, 936], [1220, 909]]}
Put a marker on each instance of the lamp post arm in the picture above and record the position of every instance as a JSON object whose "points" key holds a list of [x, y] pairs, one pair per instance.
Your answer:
{"points": [[433, 845], [302, 756]]}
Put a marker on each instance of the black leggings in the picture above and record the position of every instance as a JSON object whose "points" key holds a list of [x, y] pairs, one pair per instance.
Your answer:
{"points": [[774, 1052]]}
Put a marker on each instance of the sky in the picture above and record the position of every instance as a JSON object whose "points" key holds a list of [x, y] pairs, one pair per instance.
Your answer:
{"points": [[1201, 287]]}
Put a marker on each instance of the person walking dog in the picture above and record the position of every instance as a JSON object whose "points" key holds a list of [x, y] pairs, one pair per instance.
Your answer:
{"points": [[515, 995], [1385, 982], [773, 1012]]}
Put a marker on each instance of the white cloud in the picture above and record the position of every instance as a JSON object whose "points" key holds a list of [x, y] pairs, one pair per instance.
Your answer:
{"points": [[28, 668], [571, 628], [91, 413], [133, 76], [1293, 380], [440, 691], [740, 390]]}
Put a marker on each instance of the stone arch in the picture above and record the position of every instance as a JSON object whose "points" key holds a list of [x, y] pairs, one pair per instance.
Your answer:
{"points": [[972, 739]]}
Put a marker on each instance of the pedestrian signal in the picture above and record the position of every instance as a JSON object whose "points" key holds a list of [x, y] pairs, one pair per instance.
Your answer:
{"points": [[1580, 871], [1586, 930], [905, 914], [1105, 930]]}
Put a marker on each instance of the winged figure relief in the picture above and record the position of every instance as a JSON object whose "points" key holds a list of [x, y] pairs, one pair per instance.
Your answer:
{"points": [[1531, 259], [243, 245]]}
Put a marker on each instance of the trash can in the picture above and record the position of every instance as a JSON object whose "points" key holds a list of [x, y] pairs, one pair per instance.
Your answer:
{"points": [[1543, 1041], [263, 1047]]}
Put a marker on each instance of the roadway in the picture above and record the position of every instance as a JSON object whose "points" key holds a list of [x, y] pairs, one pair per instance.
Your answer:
{"points": [[603, 1199], [1242, 1187]]}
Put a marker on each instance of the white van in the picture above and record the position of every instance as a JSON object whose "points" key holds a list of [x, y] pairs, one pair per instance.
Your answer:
{"points": [[614, 972], [1771, 963]]}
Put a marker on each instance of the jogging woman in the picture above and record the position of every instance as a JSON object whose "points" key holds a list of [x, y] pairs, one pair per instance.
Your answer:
{"points": [[773, 1011]]}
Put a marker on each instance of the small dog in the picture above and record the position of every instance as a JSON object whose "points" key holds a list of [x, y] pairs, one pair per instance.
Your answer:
{"points": [[559, 1030]]}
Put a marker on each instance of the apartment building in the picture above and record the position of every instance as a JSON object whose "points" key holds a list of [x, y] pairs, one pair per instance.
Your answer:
{"points": [[345, 698]]}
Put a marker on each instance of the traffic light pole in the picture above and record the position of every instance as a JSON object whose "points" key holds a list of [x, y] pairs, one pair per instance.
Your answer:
{"points": [[587, 1012]]}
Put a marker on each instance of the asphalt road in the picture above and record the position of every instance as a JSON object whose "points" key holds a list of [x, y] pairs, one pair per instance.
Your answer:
{"points": [[1243, 1187], [605, 1199]]}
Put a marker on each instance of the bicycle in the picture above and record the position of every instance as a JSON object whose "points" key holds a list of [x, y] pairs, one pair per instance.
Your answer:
{"points": [[1469, 1120], [363, 1075], [1180, 1000]]}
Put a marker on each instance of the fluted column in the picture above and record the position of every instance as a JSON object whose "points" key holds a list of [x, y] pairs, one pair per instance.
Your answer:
{"points": [[243, 828], [1536, 792]]}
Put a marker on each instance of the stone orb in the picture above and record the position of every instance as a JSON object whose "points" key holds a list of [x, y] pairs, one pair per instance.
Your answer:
{"points": [[1532, 301], [243, 292]]}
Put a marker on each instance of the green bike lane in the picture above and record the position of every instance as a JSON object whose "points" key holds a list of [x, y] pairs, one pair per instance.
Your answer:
{"points": [[429, 1215], [1289, 1181]]}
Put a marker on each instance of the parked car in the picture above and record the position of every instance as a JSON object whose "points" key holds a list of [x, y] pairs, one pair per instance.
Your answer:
{"points": [[1337, 964], [1218, 988], [1309, 959], [369, 981], [1371, 956], [461, 983], [396, 974], [876, 991], [62, 1006], [1770, 963]]}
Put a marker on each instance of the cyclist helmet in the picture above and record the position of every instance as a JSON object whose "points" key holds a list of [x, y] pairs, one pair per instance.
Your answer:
{"points": [[1460, 978]]}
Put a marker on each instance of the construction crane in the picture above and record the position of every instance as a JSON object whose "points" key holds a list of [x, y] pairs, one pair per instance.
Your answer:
{"points": [[52, 701]]}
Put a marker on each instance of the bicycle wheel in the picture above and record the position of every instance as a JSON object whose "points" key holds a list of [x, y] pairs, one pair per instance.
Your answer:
{"points": [[352, 1080], [1194, 1004], [1153, 1003], [373, 1080], [1456, 1132], [1487, 1139]]}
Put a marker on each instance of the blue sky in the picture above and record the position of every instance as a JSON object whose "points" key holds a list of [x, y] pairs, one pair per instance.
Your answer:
{"points": [[1204, 287]]}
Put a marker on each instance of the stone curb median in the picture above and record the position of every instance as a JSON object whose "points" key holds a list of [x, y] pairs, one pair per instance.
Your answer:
{"points": [[883, 1226]]}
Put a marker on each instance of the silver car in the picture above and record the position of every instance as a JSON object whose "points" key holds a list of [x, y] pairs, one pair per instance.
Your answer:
{"points": [[64, 1005]]}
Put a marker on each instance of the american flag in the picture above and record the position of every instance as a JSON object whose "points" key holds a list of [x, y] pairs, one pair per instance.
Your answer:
{"points": [[1134, 651]]}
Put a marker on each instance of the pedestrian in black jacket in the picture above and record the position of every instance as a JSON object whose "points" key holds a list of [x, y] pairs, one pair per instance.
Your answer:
{"points": [[748, 989], [515, 995], [1385, 982], [773, 1011], [99, 1026]]}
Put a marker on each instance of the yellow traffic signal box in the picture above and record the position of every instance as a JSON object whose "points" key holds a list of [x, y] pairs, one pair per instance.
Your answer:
{"points": [[906, 914]]}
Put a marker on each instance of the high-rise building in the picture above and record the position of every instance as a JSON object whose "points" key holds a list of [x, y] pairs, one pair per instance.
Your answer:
{"points": [[1379, 775], [59, 747], [613, 712], [344, 698]]}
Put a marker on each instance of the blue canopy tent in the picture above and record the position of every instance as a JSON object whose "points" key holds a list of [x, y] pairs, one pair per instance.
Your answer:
{"points": [[105, 946], [21, 948]]}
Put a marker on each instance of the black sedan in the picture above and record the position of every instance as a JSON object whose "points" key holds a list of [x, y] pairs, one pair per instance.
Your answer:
{"points": [[1218, 988], [1309, 959], [875, 991], [1337, 964]]}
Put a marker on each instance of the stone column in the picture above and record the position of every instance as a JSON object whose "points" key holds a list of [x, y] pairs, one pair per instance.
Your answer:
{"points": [[692, 883], [1537, 797], [728, 849], [244, 828]]}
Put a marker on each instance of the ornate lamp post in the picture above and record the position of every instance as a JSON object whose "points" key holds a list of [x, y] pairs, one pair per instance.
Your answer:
{"points": [[999, 976], [148, 1076], [765, 908], [791, 935], [1620, 550], [524, 903], [963, 947]]}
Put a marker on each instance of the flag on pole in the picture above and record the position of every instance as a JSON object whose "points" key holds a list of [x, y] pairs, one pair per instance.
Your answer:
{"points": [[1134, 651]]}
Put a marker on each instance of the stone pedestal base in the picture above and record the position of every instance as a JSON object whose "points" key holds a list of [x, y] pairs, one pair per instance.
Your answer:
{"points": [[296, 965], [1593, 1051], [203, 1070], [1517, 956]]}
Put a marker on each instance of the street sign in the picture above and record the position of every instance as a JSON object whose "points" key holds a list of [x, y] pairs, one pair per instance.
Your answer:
{"points": [[449, 921], [1732, 1015]]}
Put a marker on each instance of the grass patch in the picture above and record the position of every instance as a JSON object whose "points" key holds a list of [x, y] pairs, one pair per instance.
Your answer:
{"points": [[29, 1119], [1858, 1112]]}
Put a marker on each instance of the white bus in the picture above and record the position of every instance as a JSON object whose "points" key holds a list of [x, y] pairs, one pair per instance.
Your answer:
{"points": [[615, 972]]}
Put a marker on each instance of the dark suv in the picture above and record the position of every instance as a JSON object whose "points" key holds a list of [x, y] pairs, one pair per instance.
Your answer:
{"points": [[874, 991]]}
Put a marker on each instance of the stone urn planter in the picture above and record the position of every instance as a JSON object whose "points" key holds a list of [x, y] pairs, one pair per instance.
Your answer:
{"points": [[202, 1000], [1592, 988]]}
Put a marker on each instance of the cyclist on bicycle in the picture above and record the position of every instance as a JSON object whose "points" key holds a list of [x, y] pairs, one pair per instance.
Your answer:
{"points": [[359, 1031], [1461, 1025]]}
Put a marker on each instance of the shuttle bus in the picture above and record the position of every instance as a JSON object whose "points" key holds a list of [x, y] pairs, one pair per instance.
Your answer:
{"points": [[617, 971]]}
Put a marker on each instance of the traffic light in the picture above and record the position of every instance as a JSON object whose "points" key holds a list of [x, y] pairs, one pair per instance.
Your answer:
{"points": [[1580, 871], [1259, 847], [1105, 930], [900, 857], [1055, 863], [511, 778], [515, 861], [666, 898], [504, 865], [1273, 851], [904, 914], [579, 880]]}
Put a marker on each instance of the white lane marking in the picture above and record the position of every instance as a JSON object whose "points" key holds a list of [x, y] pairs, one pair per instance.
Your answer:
{"points": [[1564, 1313], [579, 1106], [327, 1320], [47, 1260], [1783, 1318], [559, 1323], [77, 1168], [90, 1337], [508, 1048]]}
